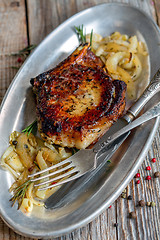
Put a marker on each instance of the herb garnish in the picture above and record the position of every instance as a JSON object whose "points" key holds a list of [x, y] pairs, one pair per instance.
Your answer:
{"points": [[20, 192], [91, 37], [32, 128], [81, 32], [36, 164], [25, 51], [22, 55], [14, 67]]}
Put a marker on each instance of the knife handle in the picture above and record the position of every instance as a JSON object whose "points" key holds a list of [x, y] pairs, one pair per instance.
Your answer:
{"points": [[150, 114], [151, 90]]}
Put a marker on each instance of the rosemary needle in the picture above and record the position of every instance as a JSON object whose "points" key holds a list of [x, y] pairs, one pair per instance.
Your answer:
{"points": [[25, 51], [81, 32], [20, 192], [32, 128], [91, 37]]}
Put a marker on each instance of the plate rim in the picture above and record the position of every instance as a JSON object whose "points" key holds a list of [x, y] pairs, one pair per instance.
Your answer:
{"points": [[149, 140]]}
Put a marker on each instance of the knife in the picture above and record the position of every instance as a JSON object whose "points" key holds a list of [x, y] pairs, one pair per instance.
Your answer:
{"points": [[107, 145]]}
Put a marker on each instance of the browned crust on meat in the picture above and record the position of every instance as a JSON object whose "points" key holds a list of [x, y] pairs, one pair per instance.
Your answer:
{"points": [[64, 108]]}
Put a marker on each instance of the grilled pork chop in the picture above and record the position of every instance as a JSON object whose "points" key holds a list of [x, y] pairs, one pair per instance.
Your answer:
{"points": [[77, 101]]}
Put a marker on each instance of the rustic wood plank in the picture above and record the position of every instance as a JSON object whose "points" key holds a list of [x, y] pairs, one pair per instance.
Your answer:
{"points": [[12, 39], [146, 225], [102, 226], [156, 4], [43, 17]]}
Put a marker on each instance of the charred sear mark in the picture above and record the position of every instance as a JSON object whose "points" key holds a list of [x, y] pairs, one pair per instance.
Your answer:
{"points": [[32, 81], [49, 126], [78, 128]]}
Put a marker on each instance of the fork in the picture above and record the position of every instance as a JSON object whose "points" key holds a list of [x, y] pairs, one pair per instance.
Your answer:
{"points": [[85, 160]]}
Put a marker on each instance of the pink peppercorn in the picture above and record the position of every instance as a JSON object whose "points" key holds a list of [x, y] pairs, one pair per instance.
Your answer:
{"points": [[138, 182], [53, 183], [19, 60], [148, 178], [137, 175], [110, 206], [148, 168], [153, 160]]}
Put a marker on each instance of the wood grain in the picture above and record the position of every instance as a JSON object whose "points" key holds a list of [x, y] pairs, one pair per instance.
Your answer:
{"points": [[12, 39], [43, 17], [156, 4]]}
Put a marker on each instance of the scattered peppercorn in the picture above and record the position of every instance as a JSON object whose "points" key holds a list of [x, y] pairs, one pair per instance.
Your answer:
{"points": [[153, 160], [157, 174], [19, 60], [14, 142], [148, 168], [53, 183], [138, 182], [153, 204], [132, 215], [129, 197], [116, 225], [141, 203], [148, 178], [123, 195], [137, 175], [30, 169], [148, 204]]}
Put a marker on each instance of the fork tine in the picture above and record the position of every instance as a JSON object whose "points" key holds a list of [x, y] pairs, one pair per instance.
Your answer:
{"points": [[62, 182], [56, 178], [52, 173], [50, 168]]}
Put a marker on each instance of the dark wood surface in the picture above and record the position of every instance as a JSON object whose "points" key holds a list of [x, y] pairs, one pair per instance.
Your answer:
{"points": [[28, 22]]}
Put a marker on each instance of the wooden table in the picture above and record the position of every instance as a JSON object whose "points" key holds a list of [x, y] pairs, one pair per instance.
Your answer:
{"points": [[28, 22]]}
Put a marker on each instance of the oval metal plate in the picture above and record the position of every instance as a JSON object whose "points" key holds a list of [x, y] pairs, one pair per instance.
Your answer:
{"points": [[91, 194]]}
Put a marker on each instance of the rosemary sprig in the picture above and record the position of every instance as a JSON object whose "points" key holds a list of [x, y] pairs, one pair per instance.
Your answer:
{"points": [[14, 67], [28, 48], [20, 192], [32, 128], [22, 55], [25, 51], [36, 164], [81, 32]]}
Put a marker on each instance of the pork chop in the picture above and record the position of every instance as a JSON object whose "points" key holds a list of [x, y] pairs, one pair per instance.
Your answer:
{"points": [[77, 101]]}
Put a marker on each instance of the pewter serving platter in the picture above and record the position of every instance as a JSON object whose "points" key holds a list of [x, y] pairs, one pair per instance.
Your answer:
{"points": [[88, 196]]}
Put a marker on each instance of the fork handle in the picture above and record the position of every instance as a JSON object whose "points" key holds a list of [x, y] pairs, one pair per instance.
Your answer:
{"points": [[150, 91]]}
